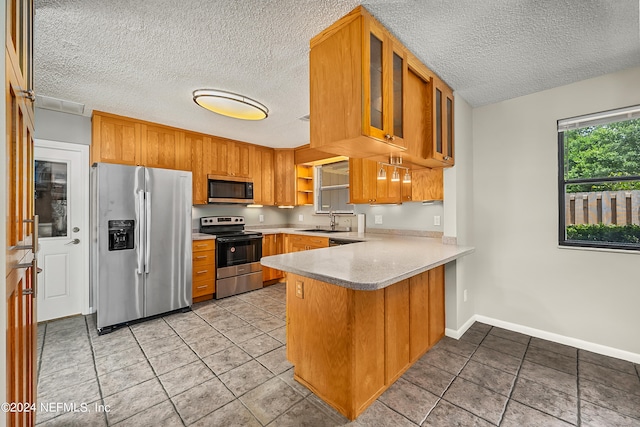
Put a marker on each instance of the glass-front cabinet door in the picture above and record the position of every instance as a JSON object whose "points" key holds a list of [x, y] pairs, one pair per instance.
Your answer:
{"points": [[443, 134], [385, 74]]}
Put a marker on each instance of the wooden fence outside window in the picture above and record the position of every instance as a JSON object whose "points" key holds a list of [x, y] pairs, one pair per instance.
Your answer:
{"points": [[603, 207]]}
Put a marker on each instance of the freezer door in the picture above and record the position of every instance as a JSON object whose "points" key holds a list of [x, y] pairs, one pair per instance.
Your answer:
{"points": [[118, 193], [168, 240]]}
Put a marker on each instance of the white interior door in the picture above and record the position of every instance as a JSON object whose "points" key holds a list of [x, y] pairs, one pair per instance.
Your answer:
{"points": [[62, 202]]}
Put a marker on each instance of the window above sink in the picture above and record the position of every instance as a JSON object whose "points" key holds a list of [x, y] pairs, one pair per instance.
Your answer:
{"points": [[332, 188]]}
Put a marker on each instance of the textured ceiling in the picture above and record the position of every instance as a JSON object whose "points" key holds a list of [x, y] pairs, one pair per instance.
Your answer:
{"points": [[144, 58]]}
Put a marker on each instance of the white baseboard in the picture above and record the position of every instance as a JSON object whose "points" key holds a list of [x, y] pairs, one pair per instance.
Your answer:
{"points": [[550, 336], [457, 333]]}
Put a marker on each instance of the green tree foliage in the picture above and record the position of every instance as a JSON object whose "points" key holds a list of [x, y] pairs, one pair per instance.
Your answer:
{"points": [[629, 233], [603, 151]]}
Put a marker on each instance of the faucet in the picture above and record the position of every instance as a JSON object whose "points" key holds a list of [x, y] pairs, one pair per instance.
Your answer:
{"points": [[332, 220]]}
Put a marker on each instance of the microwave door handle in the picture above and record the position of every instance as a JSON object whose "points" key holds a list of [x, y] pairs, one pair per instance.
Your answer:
{"points": [[140, 226]]}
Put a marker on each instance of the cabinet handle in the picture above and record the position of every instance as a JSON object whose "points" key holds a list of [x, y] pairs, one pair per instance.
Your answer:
{"points": [[447, 157], [201, 246], [201, 257], [202, 287], [202, 272]]}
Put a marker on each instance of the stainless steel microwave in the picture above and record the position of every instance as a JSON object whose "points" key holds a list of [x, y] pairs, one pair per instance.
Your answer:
{"points": [[229, 190]]}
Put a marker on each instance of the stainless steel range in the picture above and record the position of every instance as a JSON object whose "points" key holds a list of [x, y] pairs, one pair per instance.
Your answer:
{"points": [[238, 254]]}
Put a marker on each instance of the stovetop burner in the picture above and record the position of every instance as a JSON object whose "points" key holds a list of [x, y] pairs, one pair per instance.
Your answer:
{"points": [[225, 226]]}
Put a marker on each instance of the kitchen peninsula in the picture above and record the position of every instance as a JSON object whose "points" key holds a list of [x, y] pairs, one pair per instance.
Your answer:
{"points": [[359, 315]]}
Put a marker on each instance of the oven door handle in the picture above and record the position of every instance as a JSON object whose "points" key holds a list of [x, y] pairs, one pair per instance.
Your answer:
{"points": [[238, 238]]}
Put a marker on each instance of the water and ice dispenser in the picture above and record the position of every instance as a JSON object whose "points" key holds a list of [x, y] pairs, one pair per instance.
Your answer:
{"points": [[121, 234]]}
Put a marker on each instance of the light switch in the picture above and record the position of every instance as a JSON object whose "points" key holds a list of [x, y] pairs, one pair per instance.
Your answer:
{"points": [[261, 218], [378, 219], [436, 220], [300, 289], [300, 217]]}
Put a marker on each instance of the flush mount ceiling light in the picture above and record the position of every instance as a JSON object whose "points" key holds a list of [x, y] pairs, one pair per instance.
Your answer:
{"points": [[230, 104]]}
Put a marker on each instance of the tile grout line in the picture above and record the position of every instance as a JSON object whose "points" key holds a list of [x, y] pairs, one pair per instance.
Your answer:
{"points": [[156, 373], [515, 380], [578, 394], [457, 376], [95, 368], [252, 359]]}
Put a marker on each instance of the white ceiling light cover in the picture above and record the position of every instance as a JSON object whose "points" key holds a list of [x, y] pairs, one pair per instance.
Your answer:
{"points": [[230, 104]]}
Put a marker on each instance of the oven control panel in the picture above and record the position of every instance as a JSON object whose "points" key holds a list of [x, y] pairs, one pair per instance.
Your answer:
{"points": [[221, 220]]}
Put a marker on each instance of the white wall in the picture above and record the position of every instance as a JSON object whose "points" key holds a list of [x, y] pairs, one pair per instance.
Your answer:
{"points": [[65, 127], [520, 274], [458, 219]]}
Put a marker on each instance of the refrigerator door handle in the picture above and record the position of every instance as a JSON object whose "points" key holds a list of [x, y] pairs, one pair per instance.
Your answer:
{"points": [[141, 227], [147, 246]]}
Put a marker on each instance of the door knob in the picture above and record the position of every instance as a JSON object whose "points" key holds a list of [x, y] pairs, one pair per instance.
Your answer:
{"points": [[76, 229], [73, 242]]}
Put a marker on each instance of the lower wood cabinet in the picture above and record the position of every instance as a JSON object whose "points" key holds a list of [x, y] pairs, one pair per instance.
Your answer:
{"points": [[297, 242], [272, 244], [204, 269], [349, 346]]}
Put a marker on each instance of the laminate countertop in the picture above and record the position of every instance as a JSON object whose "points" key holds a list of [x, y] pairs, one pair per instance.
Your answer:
{"points": [[376, 262]]}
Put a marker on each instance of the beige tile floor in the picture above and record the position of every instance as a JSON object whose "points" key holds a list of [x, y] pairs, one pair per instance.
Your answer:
{"points": [[224, 364]]}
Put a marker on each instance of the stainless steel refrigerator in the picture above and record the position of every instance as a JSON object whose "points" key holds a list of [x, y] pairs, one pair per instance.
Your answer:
{"points": [[140, 242]]}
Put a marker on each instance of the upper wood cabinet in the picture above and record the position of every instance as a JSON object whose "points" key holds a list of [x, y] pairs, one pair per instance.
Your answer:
{"points": [[162, 147], [365, 187], [115, 140], [371, 97], [427, 184], [285, 176], [193, 145], [441, 149], [263, 176], [239, 159]]}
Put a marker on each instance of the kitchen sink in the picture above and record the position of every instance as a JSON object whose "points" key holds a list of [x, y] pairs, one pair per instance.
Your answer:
{"points": [[321, 230]]}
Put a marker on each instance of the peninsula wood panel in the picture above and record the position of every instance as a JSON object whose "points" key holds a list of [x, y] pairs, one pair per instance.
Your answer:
{"points": [[436, 305], [349, 346], [418, 315], [396, 325], [337, 342]]}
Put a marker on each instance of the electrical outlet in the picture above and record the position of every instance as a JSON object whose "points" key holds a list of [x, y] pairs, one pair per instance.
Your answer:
{"points": [[300, 289], [436, 220], [378, 219], [464, 295], [300, 217], [261, 218]]}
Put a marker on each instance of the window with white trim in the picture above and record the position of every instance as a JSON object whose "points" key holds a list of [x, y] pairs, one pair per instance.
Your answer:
{"points": [[599, 180]]}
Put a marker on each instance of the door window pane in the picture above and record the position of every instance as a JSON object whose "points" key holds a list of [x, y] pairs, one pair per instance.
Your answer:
{"points": [[51, 198]]}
